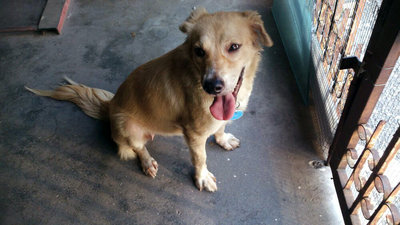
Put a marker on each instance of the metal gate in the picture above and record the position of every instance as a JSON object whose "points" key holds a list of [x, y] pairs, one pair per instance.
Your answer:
{"points": [[367, 193], [340, 28]]}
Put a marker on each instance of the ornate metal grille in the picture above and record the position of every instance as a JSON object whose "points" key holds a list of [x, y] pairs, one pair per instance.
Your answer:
{"points": [[370, 187], [379, 148], [365, 151]]}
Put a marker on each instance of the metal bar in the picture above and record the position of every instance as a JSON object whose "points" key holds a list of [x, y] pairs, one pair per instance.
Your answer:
{"points": [[371, 142], [353, 89], [357, 168], [393, 194], [380, 168], [380, 209], [342, 198], [389, 154]]}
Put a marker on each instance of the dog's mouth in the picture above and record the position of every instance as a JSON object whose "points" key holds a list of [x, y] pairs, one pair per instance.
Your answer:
{"points": [[223, 106]]}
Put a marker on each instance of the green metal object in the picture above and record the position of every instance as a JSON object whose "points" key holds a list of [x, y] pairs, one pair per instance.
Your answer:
{"points": [[294, 22]]}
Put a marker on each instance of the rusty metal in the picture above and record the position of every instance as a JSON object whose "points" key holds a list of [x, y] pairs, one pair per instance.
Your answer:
{"points": [[379, 169], [387, 205], [365, 89], [365, 154]]}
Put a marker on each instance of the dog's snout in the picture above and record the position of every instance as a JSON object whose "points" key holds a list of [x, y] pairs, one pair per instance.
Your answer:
{"points": [[213, 86]]}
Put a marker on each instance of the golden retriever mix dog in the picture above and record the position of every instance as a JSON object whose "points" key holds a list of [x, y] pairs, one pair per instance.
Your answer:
{"points": [[193, 90]]}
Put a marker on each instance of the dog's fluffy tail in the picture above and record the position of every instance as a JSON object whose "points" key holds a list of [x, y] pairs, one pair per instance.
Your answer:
{"points": [[94, 102]]}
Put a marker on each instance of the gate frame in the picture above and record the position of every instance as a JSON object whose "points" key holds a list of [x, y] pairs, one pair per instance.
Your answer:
{"points": [[371, 76]]}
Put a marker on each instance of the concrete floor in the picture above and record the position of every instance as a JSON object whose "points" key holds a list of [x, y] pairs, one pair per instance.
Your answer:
{"points": [[20, 14], [58, 166]]}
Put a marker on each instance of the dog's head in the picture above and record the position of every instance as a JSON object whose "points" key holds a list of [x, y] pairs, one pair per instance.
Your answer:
{"points": [[222, 46]]}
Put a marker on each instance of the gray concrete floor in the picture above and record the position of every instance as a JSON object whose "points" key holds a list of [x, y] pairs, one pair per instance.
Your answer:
{"points": [[58, 166]]}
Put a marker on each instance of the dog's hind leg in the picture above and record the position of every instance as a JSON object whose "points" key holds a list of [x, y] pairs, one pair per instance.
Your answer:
{"points": [[149, 164], [226, 140], [131, 139], [133, 146]]}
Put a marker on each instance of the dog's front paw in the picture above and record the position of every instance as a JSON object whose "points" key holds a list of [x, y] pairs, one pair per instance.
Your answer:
{"points": [[227, 141], [206, 180], [150, 167]]}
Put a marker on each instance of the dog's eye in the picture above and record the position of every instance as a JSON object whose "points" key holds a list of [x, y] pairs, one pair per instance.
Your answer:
{"points": [[234, 47], [199, 52]]}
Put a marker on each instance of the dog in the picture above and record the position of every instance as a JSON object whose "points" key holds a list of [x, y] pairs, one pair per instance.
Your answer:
{"points": [[193, 90]]}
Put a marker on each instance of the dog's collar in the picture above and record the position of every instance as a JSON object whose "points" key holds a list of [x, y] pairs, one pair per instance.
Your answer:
{"points": [[237, 104], [238, 113], [239, 83]]}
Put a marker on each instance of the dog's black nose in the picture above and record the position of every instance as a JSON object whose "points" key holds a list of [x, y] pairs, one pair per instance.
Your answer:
{"points": [[213, 86]]}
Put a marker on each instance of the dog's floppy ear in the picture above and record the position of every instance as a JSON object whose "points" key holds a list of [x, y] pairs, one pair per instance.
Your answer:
{"points": [[189, 23], [257, 25]]}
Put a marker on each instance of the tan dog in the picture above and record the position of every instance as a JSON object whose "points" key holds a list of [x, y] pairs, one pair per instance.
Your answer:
{"points": [[192, 90]]}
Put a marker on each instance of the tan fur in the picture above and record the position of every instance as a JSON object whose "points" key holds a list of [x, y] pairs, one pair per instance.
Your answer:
{"points": [[93, 101], [165, 96]]}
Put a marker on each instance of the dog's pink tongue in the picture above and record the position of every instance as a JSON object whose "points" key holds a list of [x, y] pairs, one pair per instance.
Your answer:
{"points": [[223, 107]]}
